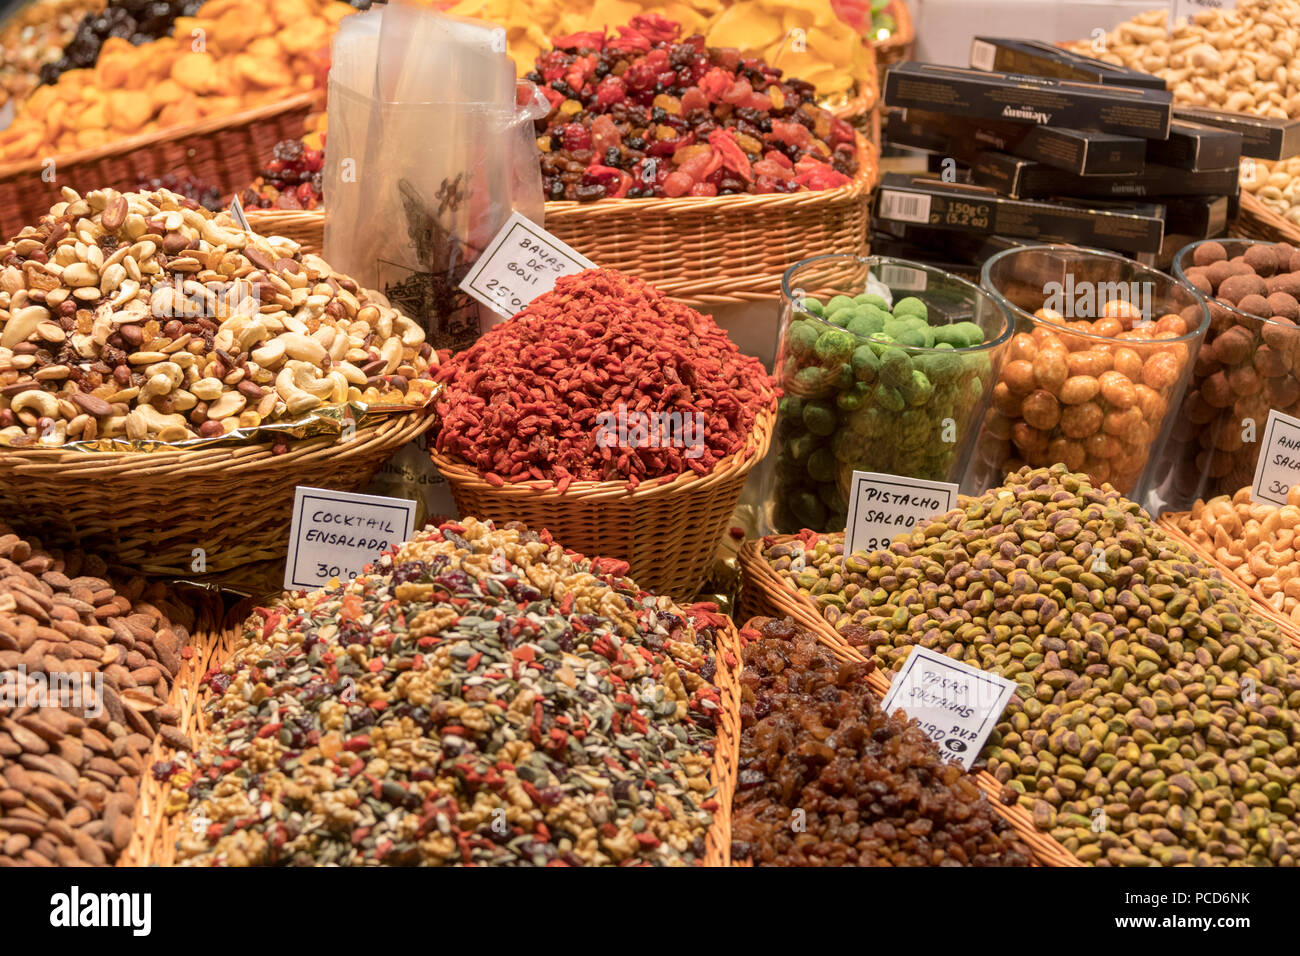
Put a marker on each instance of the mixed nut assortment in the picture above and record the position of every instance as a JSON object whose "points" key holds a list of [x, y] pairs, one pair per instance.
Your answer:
{"points": [[479, 696], [86, 669], [1255, 540], [145, 316], [1157, 715], [604, 378], [646, 113], [827, 778], [1247, 365]]}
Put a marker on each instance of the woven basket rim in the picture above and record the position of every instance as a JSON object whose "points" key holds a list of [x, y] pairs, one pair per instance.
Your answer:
{"points": [[756, 445], [904, 30], [242, 454], [144, 140], [868, 172], [1253, 208]]}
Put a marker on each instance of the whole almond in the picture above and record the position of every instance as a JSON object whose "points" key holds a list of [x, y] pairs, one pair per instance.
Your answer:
{"points": [[114, 214]]}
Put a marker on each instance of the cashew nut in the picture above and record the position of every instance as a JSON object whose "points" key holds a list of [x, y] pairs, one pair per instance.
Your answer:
{"points": [[34, 404]]}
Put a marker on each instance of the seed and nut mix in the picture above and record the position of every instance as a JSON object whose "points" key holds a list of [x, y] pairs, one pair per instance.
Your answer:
{"points": [[479, 696], [1156, 715], [146, 316], [873, 788], [70, 768], [1255, 540]]}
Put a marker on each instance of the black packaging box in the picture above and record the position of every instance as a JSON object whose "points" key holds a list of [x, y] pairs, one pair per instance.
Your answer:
{"points": [[1262, 137], [1081, 152], [1043, 59], [1024, 179], [1122, 110], [1200, 217], [1126, 227], [1195, 146]]}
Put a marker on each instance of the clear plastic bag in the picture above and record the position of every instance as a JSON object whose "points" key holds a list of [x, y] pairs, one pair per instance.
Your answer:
{"points": [[430, 149]]}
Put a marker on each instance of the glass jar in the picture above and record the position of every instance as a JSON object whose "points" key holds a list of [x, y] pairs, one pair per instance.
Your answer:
{"points": [[1248, 366], [1101, 353], [885, 366]]}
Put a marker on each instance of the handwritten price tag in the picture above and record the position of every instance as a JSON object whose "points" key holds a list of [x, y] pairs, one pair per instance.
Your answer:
{"points": [[522, 262], [1186, 9], [337, 533], [884, 506], [1278, 468], [956, 704]]}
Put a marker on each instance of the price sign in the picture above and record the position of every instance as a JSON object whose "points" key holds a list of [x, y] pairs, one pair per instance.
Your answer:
{"points": [[884, 506], [1278, 468], [956, 704], [522, 262], [1186, 9], [337, 533], [237, 214]]}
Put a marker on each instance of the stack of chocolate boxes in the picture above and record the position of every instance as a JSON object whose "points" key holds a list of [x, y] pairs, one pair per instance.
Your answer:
{"points": [[1036, 144]]}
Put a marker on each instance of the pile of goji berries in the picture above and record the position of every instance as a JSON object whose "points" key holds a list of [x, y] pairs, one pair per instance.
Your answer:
{"points": [[602, 379]]}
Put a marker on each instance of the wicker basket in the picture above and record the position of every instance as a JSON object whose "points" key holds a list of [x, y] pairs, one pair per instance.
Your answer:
{"points": [[151, 510], [226, 152], [667, 531], [899, 45], [1168, 523], [153, 830], [1257, 221], [728, 248], [765, 588], [156, 831]]}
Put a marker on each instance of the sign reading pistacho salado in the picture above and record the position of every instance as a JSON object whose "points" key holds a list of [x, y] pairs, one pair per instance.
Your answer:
{"points": [[337, 533], [884, 506]]}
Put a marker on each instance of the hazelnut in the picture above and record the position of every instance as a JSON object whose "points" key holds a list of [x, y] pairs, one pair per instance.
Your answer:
{"points": [[1262, 259], [1209, 252], [1237, 287], [1280, 303]]}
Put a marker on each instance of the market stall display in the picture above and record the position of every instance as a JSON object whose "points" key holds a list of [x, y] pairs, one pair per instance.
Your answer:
{"points": [[876, 379], [874, 788], [1131, 707], [86, 668], [1100, 356], [446, 641], [623, 422], [155, 339], [1242, 372]]}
